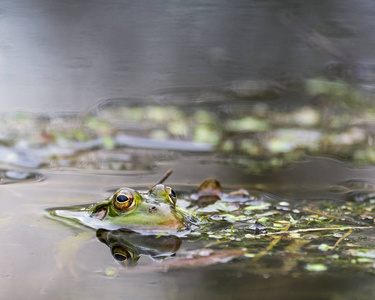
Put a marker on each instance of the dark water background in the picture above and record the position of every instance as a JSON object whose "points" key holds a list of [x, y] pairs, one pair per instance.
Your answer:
{"points": [[58, 56], [67, 55]]}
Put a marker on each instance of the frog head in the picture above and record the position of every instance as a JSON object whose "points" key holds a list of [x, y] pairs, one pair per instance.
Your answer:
{"points": [[152, 212]]}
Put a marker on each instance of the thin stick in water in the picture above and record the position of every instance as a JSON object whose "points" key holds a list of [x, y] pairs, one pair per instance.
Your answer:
{"points": [[342, 238], [165, 177]]}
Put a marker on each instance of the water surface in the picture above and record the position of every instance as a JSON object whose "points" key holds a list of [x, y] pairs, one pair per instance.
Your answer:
{"points": [[122, 91]]}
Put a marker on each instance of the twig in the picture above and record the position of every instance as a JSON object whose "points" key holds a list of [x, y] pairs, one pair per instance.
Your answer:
{"points": [[322, 214], [342, 238], [275, 241], [332, 216], [311, 230], [217, 243], [165, 176]]}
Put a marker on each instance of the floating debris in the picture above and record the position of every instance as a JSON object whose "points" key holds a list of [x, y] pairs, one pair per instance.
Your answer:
{"points": [[17, 176]]}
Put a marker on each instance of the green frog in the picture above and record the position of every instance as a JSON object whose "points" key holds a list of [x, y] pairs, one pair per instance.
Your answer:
{"points": [[152, 212], [149, 223]]}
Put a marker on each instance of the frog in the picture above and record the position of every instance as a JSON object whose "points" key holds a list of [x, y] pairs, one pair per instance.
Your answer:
{"points": [[135, 223], [152, 212]]}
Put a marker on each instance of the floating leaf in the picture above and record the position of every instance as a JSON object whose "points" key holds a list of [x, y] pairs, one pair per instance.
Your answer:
{"points": [[108, 142], [316, 267], [368, 254], [324, 247], [219, 206], [257, 207], [206, 134], [248, 124], [365, 260], [249, 255], [110, 272]]}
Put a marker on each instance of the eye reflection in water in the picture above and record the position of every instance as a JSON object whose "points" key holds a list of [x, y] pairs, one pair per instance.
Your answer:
{"points": [[128, 246]]}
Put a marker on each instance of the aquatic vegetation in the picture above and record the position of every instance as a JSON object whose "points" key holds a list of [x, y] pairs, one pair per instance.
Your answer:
{"points": [[253, 228], [292, 235], [337, 122]]}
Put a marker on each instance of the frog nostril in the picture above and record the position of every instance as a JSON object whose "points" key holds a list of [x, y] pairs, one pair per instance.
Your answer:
{"points": [[152, 209]]}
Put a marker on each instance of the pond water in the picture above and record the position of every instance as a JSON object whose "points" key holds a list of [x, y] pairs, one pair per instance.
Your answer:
{"points": [[274, 100], [52, 259]]}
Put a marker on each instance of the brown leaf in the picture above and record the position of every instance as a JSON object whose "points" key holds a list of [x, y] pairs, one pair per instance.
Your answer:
{"points": [[210, 187]]}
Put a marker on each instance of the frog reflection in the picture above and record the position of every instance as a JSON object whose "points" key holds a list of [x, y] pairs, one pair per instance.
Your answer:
{"points": [[128, 246]]}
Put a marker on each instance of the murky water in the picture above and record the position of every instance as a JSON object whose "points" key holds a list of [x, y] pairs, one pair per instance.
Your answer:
{"points": [[35, 248], [122, 91]]}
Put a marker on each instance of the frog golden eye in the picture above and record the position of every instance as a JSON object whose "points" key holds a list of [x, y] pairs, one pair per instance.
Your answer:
{"points": [[122, 255], [123, 200], [172, 194]]}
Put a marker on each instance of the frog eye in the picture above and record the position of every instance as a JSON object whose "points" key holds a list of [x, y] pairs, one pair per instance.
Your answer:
{"points": [[123, 200], [122, 255], [172, 194]]}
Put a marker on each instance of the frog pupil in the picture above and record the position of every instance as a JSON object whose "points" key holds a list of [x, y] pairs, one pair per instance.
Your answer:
{"points": [[122, 198], [173, 194], [120, 257]]}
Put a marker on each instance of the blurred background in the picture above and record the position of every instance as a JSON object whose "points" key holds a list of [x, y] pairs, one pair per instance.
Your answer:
{"points": [[67, 55]]}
